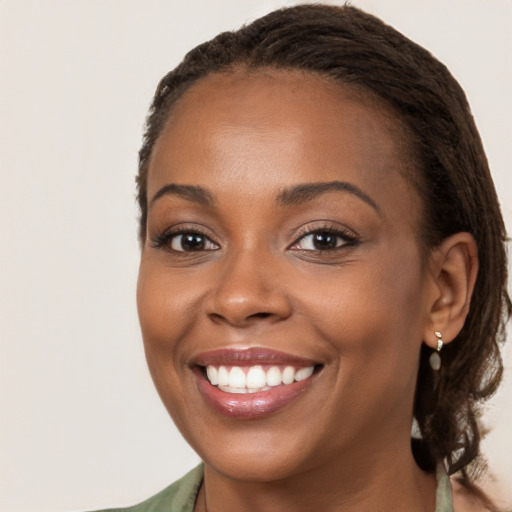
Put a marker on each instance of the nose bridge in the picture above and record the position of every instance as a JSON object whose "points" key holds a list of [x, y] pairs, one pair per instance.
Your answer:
{"points": [[246, 289]]}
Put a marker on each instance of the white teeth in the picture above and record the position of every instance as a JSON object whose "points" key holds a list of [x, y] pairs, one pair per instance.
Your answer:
{"points": [[304, 373], [236, 377], [256, 377], [211, 371], [288, 375], [223, 376], [229, 389], [273, 376]]}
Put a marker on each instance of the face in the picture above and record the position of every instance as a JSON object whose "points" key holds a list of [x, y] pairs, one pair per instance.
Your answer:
{"points": [[281, 292]]}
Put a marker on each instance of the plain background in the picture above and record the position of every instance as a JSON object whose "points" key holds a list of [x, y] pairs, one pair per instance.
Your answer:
{"points": [[80, 423]]}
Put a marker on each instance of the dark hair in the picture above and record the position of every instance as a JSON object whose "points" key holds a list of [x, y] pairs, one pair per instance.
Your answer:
{"points": [[358, 49]]}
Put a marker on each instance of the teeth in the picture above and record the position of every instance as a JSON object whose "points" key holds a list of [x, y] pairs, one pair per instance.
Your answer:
{"points": [[242, 391], [236, 378], [222, 376], [288, 375], [231, 389], [256, 377], [211, 371], [253, 379], [304, 373], [273, 376]]}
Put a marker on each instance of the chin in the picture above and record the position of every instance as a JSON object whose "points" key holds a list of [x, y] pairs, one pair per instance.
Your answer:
{"points": [[257, 453], [255, 465]]}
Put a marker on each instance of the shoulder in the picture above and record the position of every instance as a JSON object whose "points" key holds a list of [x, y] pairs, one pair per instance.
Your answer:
{"points": [[178, 497]]}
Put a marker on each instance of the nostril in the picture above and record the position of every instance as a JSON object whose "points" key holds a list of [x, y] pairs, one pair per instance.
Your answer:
{"points": [[260, 315], [242, 319]]}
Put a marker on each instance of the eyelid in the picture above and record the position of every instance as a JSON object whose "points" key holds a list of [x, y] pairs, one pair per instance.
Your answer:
{"points": [[349, 237], [164, 238], [174, 237]]}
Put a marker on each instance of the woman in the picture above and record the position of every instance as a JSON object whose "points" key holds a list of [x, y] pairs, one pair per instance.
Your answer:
{"points": [[322, 261]]}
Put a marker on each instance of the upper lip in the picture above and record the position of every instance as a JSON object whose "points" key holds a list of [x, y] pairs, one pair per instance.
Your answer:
{"points": [[250, 356]]}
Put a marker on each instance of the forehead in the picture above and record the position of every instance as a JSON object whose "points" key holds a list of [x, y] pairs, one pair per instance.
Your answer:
{"points": [[283, 127]]}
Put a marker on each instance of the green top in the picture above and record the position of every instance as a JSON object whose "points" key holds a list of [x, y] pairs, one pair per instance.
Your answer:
{"points": [[181, 495], [178, 497]]}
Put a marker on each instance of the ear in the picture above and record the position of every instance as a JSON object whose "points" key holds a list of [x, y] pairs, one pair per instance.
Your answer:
{"points": [[453, 269]]}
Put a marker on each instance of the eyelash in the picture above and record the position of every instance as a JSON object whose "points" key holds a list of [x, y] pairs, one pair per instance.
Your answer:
{"points": [[348, 238], [166, 237]]}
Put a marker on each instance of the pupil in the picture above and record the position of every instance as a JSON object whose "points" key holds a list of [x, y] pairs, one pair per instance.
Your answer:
{"points": [[192, 242], [324, 241]]}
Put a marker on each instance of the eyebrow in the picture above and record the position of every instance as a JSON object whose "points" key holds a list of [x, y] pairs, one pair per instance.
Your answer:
{"points": [[297, 194], [306, 192], [191, 193]]}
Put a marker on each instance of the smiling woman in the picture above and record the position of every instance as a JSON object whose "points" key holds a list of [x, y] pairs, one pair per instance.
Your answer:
{"points": [[316, 270]]}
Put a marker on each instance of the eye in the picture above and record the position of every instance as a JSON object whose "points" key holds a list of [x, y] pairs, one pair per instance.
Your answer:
{"points": [[191, 242], [324, 240], [185, 241]]}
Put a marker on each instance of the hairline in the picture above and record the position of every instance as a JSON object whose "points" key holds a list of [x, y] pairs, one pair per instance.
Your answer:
{"points": [[401, 132]]}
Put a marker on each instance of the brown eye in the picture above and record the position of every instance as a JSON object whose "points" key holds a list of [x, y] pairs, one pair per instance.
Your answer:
{"points": [[186, 242], [323, 240]]}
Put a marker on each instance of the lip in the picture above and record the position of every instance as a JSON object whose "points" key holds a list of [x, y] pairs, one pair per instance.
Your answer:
{"points": [[251, 405], [250, 357]]}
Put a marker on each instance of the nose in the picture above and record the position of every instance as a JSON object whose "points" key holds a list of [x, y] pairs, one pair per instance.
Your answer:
{"points": [[248, 290]]}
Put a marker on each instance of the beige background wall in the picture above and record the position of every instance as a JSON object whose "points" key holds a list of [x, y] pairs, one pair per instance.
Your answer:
{"points": [[80, 423]]}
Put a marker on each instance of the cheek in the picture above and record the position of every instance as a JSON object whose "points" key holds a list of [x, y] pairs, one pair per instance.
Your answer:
{"points": [[165, 317], [167, 310], [166, 306], [372, 323], [386, 293], [372, 317]]}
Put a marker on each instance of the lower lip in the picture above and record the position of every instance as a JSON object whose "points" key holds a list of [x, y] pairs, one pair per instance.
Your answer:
{"points": [[250, 405]]}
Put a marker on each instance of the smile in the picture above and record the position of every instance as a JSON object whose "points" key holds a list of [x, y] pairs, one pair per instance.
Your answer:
{"points": [[254, 382], [254, 379]]}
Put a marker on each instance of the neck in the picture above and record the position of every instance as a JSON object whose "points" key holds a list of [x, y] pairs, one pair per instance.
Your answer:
{"points": [[362, 480]]}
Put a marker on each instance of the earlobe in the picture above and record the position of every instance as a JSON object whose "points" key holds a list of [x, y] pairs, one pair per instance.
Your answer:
{"points": [[454, 267]]}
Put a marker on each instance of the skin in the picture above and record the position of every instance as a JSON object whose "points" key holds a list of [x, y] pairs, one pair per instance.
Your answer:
{"points": [[361, 310]]}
